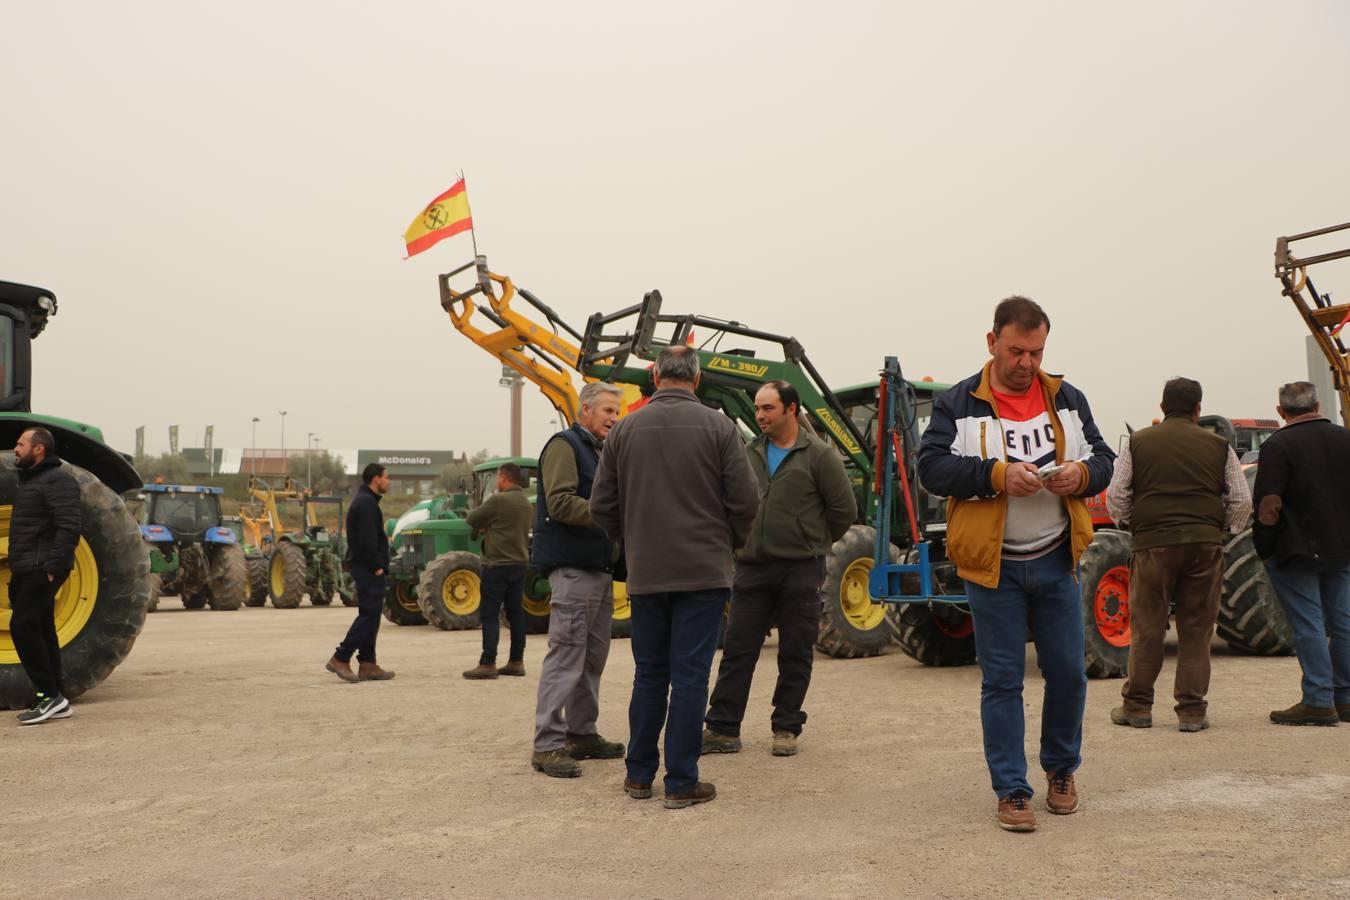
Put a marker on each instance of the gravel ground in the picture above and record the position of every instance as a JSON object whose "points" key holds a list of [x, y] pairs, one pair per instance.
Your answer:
{"points": [[220, 760]]}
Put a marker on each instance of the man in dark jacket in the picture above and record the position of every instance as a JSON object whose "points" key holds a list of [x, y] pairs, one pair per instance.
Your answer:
{"points": [[579, 559], [1180, 492], [806, 504], [503, 520], [1302, 532], [43, 534], [368, 560], [675, 488]]}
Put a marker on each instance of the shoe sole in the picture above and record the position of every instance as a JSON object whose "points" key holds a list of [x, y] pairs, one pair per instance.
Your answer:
{"points": [[639, 793], [1061, 812], [342, 675], [375, 678], [555, 773], [1318, 721], [777, 752], [685, 804], [1134, 723], [1192, 727], [512, 674], [480, 677], [721, 748], [1008, 826], [51, 714], [63, 714], [579, 758]]}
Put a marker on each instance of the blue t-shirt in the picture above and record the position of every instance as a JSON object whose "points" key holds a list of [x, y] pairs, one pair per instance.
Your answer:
{"points": [[776, 456]]}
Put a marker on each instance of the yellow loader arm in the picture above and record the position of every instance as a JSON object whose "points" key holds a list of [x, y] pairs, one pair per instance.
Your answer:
{"points": [[1329, 324]]}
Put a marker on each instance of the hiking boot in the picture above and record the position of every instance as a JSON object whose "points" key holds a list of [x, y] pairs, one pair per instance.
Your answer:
{"points": [[1298, 714], [713, 742], [1134, 720], [514, 667], [481, 672], [372, 672], [555, 764], [699, 793], [342, 670], [1184, 725], [45, 708], [784, 743], [1062, 797], [592, 746], [637, 791], [1014, 812]]}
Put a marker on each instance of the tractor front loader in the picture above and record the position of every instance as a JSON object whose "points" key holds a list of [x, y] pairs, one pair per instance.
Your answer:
{"points": [[308, 559]]}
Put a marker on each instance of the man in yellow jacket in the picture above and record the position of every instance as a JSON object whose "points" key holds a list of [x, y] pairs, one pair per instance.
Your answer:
{"points": [[1016, 452]]}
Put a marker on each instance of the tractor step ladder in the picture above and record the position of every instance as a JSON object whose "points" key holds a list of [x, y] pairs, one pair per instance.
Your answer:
{"points": [[1328, 322]]}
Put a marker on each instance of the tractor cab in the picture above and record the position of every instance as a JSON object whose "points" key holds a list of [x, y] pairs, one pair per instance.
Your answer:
{"points": [[485, 476], [184, 514], [1245, 436]]}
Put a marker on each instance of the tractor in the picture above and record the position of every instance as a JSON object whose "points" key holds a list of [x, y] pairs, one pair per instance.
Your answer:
{"points": [[100, 609], [194, 554], [308, 560], [253, 529]]}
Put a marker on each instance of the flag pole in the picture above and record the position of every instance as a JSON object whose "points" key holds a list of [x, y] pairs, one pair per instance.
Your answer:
{"points": [[473, 235]]}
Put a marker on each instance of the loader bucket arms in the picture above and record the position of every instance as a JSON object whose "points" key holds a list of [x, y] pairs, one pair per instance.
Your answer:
{"points": [[1330, 325]]}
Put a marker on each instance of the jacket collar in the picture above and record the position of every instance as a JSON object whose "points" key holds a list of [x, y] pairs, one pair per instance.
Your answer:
{"points": [[1049, 385], [50, 462], [587, 436], [365, 489], [674, 394], [761, 441]]}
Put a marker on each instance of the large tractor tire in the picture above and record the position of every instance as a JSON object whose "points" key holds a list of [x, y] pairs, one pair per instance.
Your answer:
{"points": [[851, 624], [153, 603], [937, 634], [257, 581], [227, 582], [536, 602], [100, 609], [450, 591], [319, 596], [195, 600], [286, 576], [622, 626], [400, 604], [1104, 579], [1250, 617]]}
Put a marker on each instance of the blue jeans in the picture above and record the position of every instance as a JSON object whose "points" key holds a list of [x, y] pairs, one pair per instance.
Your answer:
{"points": [[361, 636], [1040, 593], [1317, 606], [674, 639]]}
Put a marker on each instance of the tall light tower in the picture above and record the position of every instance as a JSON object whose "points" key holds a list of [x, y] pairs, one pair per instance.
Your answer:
{"points": [[253, 448], [515, 382], [309, 460], [285, 464]]}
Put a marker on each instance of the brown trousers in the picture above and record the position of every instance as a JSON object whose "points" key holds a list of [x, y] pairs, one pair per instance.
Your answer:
{"points": [[1189, 576]]}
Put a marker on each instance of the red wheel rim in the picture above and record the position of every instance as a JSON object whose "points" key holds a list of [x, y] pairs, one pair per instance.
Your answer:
{"points": [[1111, 607], [956, 624]]}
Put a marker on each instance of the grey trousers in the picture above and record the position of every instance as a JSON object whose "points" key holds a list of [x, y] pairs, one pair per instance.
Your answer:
{"points": [[581, 611]]}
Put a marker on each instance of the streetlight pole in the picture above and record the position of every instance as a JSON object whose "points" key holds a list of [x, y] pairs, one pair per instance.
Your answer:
{"points": [[309, 462], [253, 448], [284, 462]]}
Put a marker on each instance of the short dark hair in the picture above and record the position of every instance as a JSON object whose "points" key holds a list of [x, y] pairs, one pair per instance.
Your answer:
{"points": [[787, 394], [371, 472], [1181, 396], [512, 473], [44, 439], [1022, 312]]}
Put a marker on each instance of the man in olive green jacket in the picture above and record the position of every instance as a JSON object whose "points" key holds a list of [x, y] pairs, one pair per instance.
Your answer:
{"points": [[806, 504], [504, 521]]}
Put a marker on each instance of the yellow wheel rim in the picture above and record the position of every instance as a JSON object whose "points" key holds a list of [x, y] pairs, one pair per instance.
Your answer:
{"points": [[403, 595], [461, 592], [277, 574], [535, 607], [854, 599], [74, 602], [623, 609]]}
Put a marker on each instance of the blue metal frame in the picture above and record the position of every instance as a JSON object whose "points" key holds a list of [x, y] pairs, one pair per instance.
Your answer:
{"points": [[886, 581]]}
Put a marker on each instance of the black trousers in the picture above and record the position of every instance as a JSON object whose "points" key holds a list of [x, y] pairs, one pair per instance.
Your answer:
{"points": [[361, 636], [502, 586], [782, 592], [32, 624]]}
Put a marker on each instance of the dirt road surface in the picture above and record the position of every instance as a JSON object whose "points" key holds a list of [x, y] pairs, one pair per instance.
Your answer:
{"points": [[220, 760]]}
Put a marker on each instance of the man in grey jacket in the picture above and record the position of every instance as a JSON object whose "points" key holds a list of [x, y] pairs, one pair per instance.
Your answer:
{"points": [[675, 486]]}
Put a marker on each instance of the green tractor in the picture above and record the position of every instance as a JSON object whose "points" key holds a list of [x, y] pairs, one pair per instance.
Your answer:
{"points": [[257, 557], [101, 608], [194, 554], [308, 559]]}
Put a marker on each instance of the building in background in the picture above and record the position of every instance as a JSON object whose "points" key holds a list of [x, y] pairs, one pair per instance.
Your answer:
{"points": [[410, 471]]}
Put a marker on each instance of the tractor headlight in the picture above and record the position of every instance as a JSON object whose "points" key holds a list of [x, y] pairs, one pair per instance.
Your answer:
{"points": [[47, 304]]}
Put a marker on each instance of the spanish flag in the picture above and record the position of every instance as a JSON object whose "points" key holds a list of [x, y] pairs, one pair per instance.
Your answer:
{"points": [[443, 217]]}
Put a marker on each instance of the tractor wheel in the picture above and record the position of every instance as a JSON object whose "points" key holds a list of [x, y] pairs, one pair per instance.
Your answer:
{"points": [[286, 576], [536, 602], [622, 626], [1250, 617], [851, 624], [101, 607], [1104, 578], [154, 594], [228, 578], [319, 595], [400, 604], [257, 581], [451, 590], [935, 634], [195, 600], [346, 589]]}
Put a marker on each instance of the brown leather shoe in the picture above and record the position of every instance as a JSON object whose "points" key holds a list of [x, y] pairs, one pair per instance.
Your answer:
{"points": [[1343, 710], [637, 791], [1298, 714], [481, 672], [342, 670], [372, 672], [784, 744], [1014, 813], [514, 667], [699, 793], [1062, 796]]}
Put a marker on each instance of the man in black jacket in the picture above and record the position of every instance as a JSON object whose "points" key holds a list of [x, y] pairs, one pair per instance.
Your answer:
{"points": [[43, 535], [368, 559]]}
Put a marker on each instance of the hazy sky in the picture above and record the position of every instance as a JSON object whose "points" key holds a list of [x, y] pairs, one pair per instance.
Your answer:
{"points": [[217, 194]]}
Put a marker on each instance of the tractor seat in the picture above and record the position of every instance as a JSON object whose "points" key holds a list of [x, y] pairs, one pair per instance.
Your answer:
{"points": [[317, 531]]}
